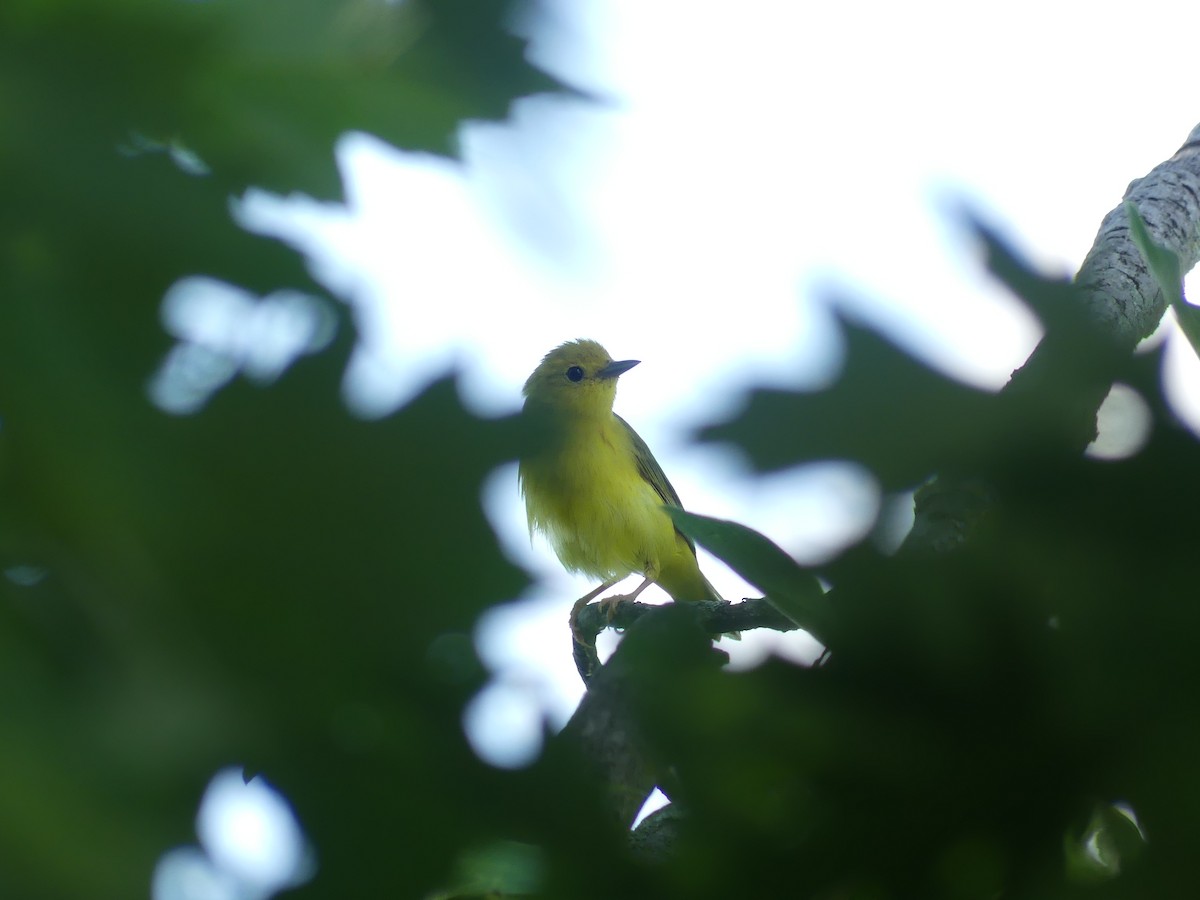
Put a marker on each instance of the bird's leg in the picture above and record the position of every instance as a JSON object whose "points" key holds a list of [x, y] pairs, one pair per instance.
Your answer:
{"points": [[609, 604], [584, 601]]}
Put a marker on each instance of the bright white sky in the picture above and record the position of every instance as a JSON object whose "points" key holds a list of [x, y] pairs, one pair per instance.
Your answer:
{"points": [[753, 161]]}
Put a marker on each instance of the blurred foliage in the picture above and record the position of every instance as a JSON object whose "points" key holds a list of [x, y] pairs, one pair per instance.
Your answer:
{"points": [[269, 582], [981, 710], [273, 583]]}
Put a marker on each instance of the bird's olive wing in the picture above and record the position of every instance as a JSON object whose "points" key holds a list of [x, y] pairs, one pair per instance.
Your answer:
{"points": [[653, 474]]}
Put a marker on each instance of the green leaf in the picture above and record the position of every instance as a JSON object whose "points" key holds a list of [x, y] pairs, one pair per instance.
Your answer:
{"points": [[905, 421], [1055, 301], [886, 411], [788, 587], [258, 90], [1164, 264]]}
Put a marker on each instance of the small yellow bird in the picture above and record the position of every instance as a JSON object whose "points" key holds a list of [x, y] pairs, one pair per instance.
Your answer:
{"points": [[593, 487]]}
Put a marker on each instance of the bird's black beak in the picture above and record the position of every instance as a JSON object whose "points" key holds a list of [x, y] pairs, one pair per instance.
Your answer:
{"points": [[613, 369]]}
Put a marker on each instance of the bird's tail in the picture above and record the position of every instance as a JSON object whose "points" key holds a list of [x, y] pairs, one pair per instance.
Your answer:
{"points": [[685, 582]]}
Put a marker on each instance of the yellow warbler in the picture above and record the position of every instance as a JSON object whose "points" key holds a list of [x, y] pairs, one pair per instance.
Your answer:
{"points": [[593, 487]]}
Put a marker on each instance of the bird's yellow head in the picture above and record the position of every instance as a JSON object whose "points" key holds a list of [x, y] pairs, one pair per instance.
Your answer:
{"points": [[578, 376]]}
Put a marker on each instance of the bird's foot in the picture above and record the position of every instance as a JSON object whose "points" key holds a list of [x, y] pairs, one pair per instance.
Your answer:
{"points": [[608, 605]]}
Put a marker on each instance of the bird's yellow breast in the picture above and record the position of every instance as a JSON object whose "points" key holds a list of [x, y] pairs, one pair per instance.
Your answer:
{"points": [[585, 493]]}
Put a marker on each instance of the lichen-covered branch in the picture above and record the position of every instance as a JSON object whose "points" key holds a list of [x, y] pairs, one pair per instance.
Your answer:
{"points": [[1121, 298], [1120, 291]]}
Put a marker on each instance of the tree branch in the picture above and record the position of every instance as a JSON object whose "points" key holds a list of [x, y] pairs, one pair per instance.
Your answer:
{"points": [[1120, 297], [716, 617], [1121, 294], [604, 730], [605, 734]]}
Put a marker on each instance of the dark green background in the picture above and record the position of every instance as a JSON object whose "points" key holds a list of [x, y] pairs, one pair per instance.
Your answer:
{"points": [[274, 583]]}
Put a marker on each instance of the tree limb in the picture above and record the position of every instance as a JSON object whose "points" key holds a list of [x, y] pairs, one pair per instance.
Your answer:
{"points": [[1121, 294], [716, 617], [604, 730], [1120, 297]]}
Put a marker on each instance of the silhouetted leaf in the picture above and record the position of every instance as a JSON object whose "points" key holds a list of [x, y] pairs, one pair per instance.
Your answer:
{"points": [[791, 589], [1165, 266], [886, 411], [1055, 301]]}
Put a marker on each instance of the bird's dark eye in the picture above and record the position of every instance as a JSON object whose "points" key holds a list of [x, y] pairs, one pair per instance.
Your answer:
{"points": [[575, 373]]}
